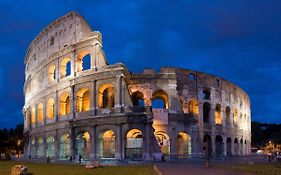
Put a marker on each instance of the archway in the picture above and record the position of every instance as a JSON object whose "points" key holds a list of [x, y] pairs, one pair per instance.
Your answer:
{"points": [[227, 114], [183, 145], [219, 146], [52, 73], [83, 61], [106, 96], [82, 145], [207, 145], [206, 112], [65, 67], [33, 115], [160, 99], [228, 147], [218, 119], [137, 98], [134, 144], [64, 108], [50, 147], [236, 147], [51, 108], [65, 146], [193, 108], [163, 141], [40, 113], [40, 148], [33, 148], [83, 100], [106, 144]]}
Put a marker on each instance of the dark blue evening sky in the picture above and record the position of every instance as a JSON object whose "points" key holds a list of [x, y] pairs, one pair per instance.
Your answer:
{"points": [[239, 40]]}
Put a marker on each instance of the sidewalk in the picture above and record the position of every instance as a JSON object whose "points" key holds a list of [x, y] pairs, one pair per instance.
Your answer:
{"points": [[190, 169]]}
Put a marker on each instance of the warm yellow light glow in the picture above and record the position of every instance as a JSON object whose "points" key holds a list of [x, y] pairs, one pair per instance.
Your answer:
{"points": [[193, 107], [134, 133], [86, 136], [83, 100], [63, 66], [52, 72], [40, 112], [235, 116], [106, 96], [64, 107], [33, 115], [184, 136], [109, 134], [218, 119], [50, 108]]}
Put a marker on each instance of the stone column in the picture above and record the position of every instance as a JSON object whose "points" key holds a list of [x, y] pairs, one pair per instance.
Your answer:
{"points": [[95, 92], [147, 154], [225, 146], [57, 145], [73, 64], [36, 116], [92, 98], [56, 106], [93, 143], [173, 142], [72, 142], [119, 93], [57, 70], [118, 142], [44, 146], [72, 102], [44, 112]]}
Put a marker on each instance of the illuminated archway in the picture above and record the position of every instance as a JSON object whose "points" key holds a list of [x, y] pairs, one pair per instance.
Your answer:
{"points": [[33, 148], [65, 67], [50, 147], [218, 119], [160, 99], [106, 144], [183, 144], [137, 98], [134, 144], [51, 108], [235, 116], [65, 146], [40, 148], [83, 100], [83, 145], [40, 113], [64, 107], [106, 96], [83, 61], [52, 73], [33, 115], [193, 107], [163, 141]]}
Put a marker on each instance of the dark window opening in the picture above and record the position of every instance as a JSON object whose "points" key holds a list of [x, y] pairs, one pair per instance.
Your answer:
{"points": [[191, 77], [206, 94], [52, 41]]}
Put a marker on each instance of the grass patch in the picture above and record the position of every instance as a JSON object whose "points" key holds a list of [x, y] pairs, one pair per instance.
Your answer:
{"points": [[60, 169], [258, 169]]}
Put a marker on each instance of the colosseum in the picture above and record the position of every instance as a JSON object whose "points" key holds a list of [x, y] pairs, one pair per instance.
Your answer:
{"points": [[77, 104]]}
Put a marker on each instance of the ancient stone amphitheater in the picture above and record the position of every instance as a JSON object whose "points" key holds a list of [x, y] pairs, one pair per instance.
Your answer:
{"points": [[78, 104]]}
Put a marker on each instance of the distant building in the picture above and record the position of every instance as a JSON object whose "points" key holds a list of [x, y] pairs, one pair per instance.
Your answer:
{"points": [[78, 104]]}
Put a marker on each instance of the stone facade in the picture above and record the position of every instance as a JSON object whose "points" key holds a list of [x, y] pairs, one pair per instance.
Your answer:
{"points": [[105, 112]]}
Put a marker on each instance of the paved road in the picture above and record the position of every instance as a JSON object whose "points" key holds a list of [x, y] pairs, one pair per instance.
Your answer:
{"points": [[190, 169]]}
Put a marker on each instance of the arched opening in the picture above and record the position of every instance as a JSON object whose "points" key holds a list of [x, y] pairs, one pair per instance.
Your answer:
{"points": [[83, 100], [64, 108], [106, 96], [207, 145], [218, 114], [245, 147], [193, 108], [65, 67], [134, 144], [40, 113], [241, 147], [236, 147], [65, 146], [206, 95], [50, 147], [83, 61], [33, 148], [40, 148], [235, 116], [163, 141], [33, 116], [160, 99], [137, 98], [183, 145], [52, 73], [106, 144], [227, 113], [51, 108], [83, 145], [206, 112], [219, 146], [228, 147]]}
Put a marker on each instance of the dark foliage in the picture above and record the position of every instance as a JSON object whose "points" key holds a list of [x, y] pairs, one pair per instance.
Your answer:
{"points": [[263, 132]]}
